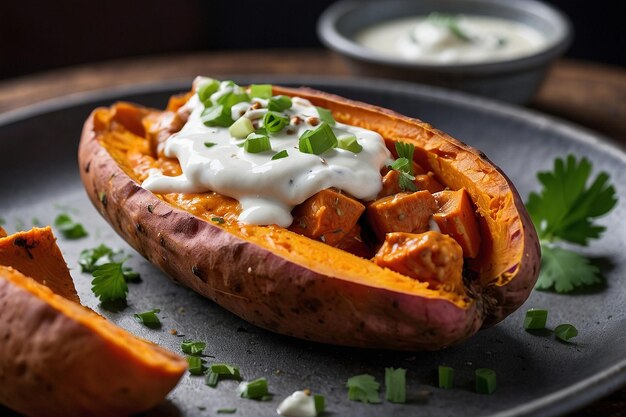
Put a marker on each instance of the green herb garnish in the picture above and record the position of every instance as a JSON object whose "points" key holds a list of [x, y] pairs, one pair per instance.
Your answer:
{"points": [[257, 389], [564, 211], [485, 381], [219, 220], [279, 103], [256, 143], [565, 332], [109, 283], [395, 385], [446, 377], [226, 411], [68, 227], [279, 155], [206, 89], [451, 23], [274, 122], [320, 403], [217, 115], [90, 259], [349, 143], [219, 371], [326, 115], [192, 347], [404, 166], [261, 90], [318, 140], [148, 318], [241, 128], [196, 365], [535, 319], [363, 388], [209, 144]]}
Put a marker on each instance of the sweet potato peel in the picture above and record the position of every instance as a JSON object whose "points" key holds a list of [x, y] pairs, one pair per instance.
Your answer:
{"points": [[294, 285], [58, 358]]}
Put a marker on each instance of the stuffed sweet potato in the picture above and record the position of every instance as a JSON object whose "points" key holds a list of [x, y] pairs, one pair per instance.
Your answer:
{"points": [[58, 358], [441, 248]]}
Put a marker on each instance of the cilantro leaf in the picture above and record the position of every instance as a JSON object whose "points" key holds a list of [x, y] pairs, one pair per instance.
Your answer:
{"points": [[363, 388], [565, 208], [564, 270], [404, 166], [109, 283], [90, 259], [68, 227]]}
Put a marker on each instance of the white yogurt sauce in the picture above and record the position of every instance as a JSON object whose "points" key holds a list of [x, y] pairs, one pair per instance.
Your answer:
{"points": [[267, 189], [431, 40], [298, 404]]}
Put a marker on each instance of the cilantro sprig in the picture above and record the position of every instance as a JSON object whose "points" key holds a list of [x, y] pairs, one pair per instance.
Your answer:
{"points": [[564, 211], [404, 166], [110, 276]]}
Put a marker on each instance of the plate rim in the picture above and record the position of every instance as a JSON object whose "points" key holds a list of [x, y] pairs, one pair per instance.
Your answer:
{"points": [[577, 395]]}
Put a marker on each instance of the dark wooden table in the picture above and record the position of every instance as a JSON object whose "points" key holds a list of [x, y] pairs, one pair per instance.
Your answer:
{"points": [[588, 94]]}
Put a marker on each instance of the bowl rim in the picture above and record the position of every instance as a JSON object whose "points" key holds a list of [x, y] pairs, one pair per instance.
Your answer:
{"points": [[333, 39]]}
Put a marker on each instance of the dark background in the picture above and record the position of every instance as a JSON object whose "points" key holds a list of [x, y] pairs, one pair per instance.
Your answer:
{"points": [[41, 35]]}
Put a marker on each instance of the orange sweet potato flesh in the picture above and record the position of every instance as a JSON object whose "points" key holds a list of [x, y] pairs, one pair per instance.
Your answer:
{"points": [[430, 256], [328, 216], [294, 285], [35, 254], [58, 358], [404, 212], [456, 217]]}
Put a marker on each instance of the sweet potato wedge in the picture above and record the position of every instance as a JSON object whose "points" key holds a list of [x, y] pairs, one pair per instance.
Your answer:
{"points": [[290, 284], [58, 358]]}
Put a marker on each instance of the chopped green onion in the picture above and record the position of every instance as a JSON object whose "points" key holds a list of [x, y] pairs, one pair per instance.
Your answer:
{"points": [[217, 115], [261, 90], [318, 141], [226, 411], [326, 115], [219, 220], [148, 318], [192, 347], [485, 380], [363, 388], [395, 385], [241, 128], [535, 319], [256, 143], [320, 403], [274, 122], [449, 22], [446, 377], [211, 378], [256, 389], [349, 143], [279, 103], [226, 370], [196, 365], [279, 155], [68, 227], [230, 99], [206, 89], [565, 332], [209, 144]]}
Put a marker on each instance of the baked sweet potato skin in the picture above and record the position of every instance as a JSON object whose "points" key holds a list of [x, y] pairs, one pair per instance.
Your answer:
{"points": [[36, 254], [53, 363], [279, 293]]}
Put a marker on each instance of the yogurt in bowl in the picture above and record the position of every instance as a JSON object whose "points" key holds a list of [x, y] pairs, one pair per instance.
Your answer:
{"points": [[449, 39]]}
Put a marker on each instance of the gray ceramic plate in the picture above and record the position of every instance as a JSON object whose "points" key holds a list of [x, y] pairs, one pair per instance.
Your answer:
{"points": [[537, 375]]}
